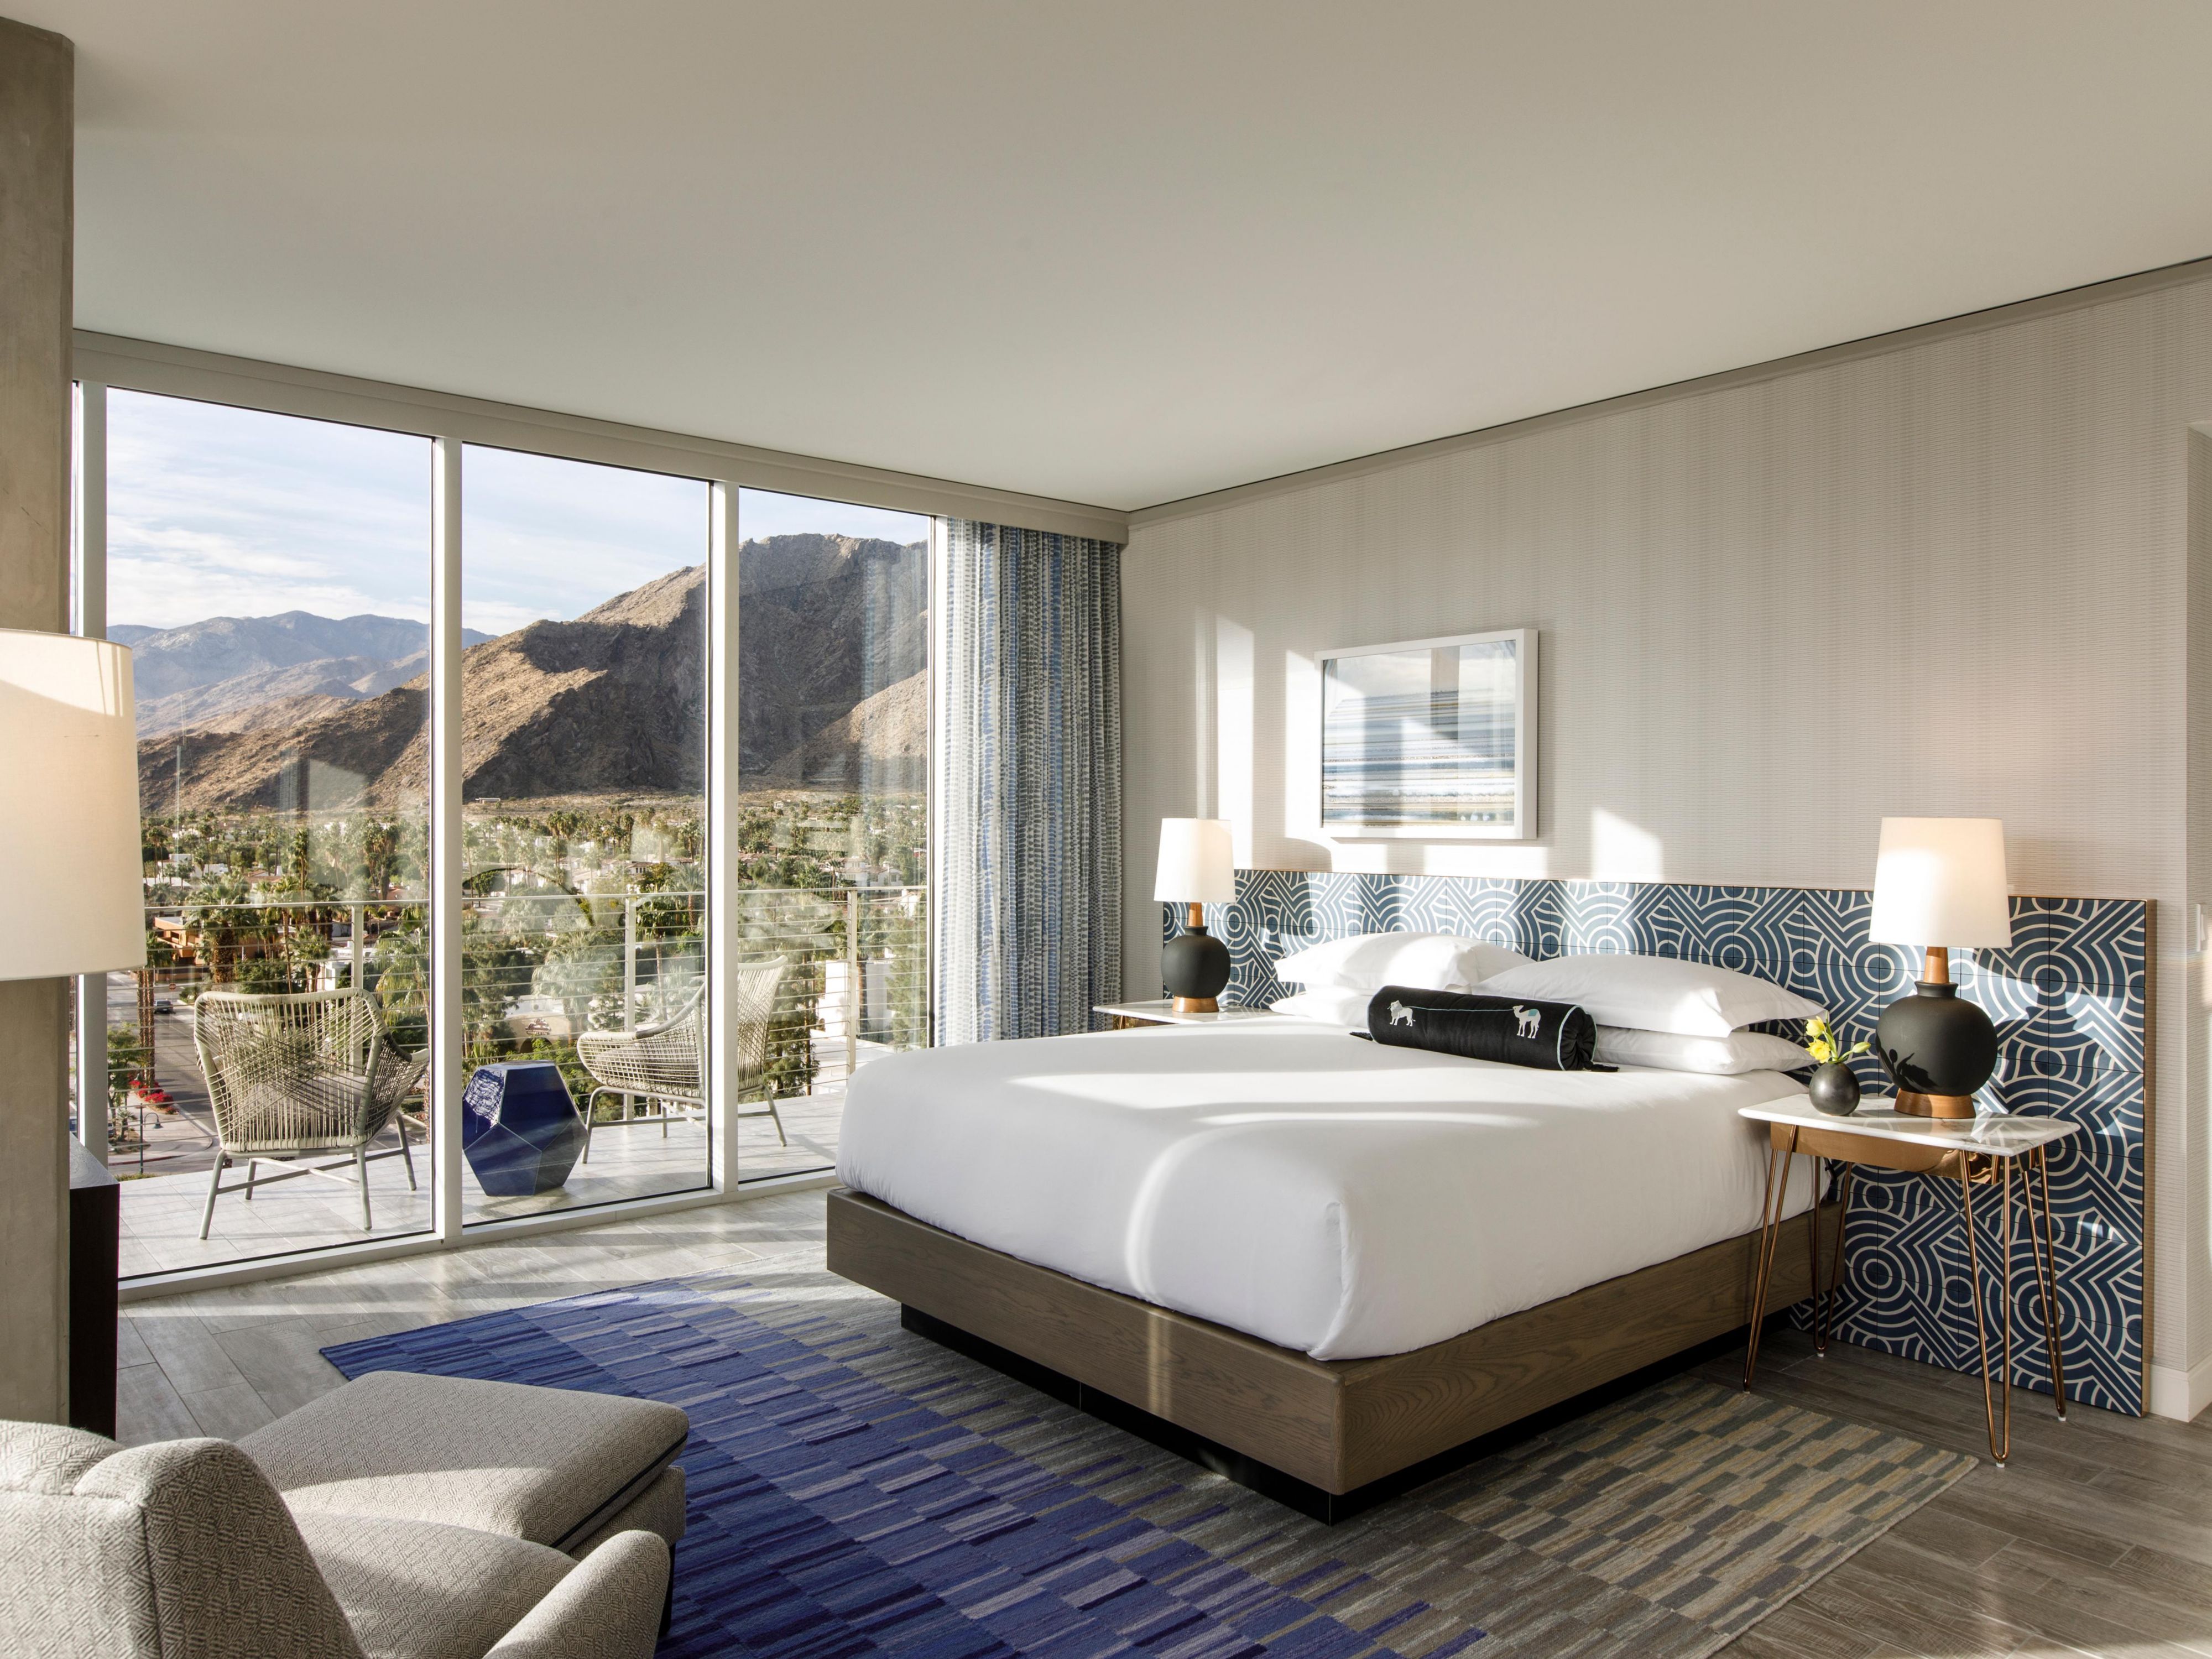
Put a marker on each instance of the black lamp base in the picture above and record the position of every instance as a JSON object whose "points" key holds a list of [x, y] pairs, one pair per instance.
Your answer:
{"points": [[1194, 970], [1937, 1048]]}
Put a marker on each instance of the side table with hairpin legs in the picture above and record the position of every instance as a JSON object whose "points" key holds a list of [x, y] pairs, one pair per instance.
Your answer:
{"points": [[1979, 1153]]}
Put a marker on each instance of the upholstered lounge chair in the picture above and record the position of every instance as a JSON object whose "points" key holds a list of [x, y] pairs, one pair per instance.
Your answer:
{"points": [[185, 1548]]}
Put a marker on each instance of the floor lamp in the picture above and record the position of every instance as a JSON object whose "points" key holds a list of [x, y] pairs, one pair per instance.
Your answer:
{"points": [[69, 815]]}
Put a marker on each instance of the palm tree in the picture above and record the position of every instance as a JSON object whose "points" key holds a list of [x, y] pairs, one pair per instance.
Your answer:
{"points": [[219, 908]]}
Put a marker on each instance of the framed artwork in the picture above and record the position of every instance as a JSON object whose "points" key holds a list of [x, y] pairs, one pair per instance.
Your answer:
{"points": [[1430, 739]]}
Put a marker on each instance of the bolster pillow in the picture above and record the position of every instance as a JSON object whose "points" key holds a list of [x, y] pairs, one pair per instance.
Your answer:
{"points": [[1551, 1036]]}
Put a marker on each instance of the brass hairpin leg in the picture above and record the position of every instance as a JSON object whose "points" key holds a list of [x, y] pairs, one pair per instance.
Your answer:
{"points": [[1813, 1233], [1770, 1236], [2002, 1383], [2005, 1290], [2046, 1248], [1824, 1302]]}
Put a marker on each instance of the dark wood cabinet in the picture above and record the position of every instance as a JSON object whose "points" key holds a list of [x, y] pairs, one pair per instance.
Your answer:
{"points": [[95, 1234]]}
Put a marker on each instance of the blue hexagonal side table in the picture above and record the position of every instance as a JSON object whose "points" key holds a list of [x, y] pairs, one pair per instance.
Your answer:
{"points": [[520, 1131]]}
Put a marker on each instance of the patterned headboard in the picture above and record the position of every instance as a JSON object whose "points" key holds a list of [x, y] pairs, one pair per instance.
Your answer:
{"points": [[2068, 996]]}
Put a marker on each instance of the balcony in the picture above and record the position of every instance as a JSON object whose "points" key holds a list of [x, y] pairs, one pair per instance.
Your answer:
{"points": [[540, 969]]}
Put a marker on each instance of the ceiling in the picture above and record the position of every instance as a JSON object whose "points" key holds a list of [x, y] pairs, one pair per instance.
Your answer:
{"points": [[1118, 251]]}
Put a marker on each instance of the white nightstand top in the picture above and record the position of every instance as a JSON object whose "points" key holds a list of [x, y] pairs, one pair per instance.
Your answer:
{"points": [[1160, 1011], [1997, 1137]]}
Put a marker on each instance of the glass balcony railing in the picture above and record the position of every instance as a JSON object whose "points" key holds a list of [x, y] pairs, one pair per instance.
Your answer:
{"points": [[537, 974]]}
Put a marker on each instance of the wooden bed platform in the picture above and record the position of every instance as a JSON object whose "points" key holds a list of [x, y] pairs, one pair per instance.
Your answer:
{"points": [[1329, 1431]]}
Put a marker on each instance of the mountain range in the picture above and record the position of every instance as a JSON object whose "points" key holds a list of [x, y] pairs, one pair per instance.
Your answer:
{"points": [[232, 673], [831, 650]]}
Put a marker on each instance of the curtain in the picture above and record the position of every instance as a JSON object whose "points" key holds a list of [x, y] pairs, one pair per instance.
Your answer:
{"points": [[1028, 762]]}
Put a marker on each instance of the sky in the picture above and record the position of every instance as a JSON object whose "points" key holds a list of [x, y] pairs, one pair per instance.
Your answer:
{"points": [[217, 512]]}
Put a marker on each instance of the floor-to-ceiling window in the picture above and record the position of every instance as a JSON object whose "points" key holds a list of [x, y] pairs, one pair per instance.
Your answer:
{"points": [[271, 575], [584, 808], [637, 664], [833, 829]]}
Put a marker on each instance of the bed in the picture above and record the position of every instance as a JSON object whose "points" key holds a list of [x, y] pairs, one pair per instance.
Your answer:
{"points": [[1333, 1258]]}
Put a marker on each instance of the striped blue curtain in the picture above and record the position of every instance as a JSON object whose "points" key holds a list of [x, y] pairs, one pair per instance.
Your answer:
{"points": [[1028, 756]]}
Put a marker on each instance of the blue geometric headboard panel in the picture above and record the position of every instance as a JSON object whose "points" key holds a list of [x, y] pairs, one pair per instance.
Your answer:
{"points": [[2073, 1017]]}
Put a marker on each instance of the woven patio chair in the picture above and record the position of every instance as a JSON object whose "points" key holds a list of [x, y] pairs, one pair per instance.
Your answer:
{"points": [[297, 1076], [664, 1063]]}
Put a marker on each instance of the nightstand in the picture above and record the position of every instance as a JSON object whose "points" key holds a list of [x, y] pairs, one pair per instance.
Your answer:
{"points": [[1976, 1152], [1160, 1011]]}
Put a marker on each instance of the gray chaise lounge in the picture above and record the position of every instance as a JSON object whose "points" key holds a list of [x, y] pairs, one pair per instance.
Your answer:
{"points": [[399, 1517]]}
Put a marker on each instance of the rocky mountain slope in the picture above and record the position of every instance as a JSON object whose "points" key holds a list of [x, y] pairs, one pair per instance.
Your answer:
{"points": [[825, 622], [831, 629], [880, 744]]}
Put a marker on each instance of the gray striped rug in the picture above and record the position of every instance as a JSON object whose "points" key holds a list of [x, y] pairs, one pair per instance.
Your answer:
{"points": [[855, 1485], [1663, 1526]]}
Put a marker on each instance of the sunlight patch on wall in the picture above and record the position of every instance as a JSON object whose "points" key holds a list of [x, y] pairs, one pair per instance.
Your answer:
{"points": [[1621, 851], [1234, 737]]}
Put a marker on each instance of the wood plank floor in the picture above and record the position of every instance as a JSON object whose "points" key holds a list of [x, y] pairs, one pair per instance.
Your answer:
{"points": [[2097, 1539], [222, 1362]]}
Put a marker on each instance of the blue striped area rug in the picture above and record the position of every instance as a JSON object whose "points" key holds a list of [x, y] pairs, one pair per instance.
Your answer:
{"points": [[856, 1489]]}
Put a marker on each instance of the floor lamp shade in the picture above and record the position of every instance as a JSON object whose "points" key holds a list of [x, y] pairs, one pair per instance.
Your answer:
{"points": [[69, 808], [1198, 866], [1939, 883]]}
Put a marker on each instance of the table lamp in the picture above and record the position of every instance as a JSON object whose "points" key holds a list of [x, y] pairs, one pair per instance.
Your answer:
{"points": [[1939, 883], [1197, 867], [69, 808]]}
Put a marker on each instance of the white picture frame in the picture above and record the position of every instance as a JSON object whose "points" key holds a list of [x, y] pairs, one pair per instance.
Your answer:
{"points": [[1430, 739]]}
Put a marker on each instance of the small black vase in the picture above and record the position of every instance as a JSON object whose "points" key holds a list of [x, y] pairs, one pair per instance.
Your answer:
{"points": [[1834, 1089]]}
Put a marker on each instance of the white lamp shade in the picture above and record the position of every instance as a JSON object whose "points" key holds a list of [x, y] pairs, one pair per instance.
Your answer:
{"points": [[1198, 862], [69, 808], [1941, 882]]}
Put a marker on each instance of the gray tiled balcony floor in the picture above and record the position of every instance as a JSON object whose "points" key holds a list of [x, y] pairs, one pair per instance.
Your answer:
{"points": [[162, 1211]]}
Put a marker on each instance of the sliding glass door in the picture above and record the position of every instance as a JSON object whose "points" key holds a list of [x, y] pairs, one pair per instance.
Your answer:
{"points": [[279, 577], [833, 699], [272, 578], [584, 820]]}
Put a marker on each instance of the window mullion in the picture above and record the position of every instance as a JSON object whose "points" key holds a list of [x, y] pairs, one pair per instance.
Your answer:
{"points": [[722, 928], [90, 619], [448, 1033]]}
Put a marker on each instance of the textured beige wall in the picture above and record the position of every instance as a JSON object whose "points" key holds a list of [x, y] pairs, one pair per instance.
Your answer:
{"points": [[1949, 578], [37, 134]]}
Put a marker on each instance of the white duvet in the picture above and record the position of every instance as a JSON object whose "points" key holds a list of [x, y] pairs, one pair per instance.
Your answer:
{"points": [[1323, 1192]]}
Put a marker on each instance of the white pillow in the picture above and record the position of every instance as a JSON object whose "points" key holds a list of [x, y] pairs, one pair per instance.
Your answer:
{"points": [[1424, 962], [1331, 1005], [1654, 993], [1730, 1056]]}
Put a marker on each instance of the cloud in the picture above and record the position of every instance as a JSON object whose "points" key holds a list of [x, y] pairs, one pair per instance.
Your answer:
{"points": [[214, 511], [542, 537], [227, 512]]}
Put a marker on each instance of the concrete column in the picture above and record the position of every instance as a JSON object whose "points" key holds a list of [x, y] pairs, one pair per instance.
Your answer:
{"points": [[37, 139]]}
